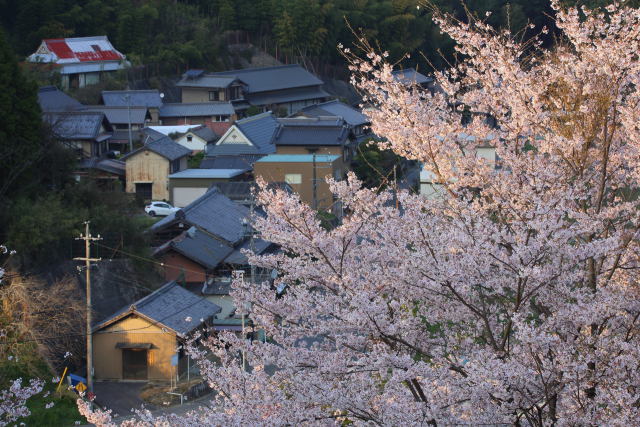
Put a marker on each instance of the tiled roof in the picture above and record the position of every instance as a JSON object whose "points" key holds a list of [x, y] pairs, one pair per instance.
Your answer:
{"points": [[273, 78], [258, 246], [205, 133], [137, 98], [315, 131], [149, 134], [113, 166], [197, 109], [77, 49], [207, 173], [165, 147], [411, 76], [53, 100], [171, 306], [229, 162], [259, 129], [298, 158], [212, 212], [287, 95], [75, 125], [120, 115], [199, 247], [205, 80], [336, 108]]}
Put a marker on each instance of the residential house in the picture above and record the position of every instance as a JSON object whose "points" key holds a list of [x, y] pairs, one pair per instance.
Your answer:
{"points": [[141, 341], [287, 87], [242, 191], [305, 173], [243, 143], [120, 118], [81, 61], [216, 115], [148, 168], [108, 173], [196, 138], [320, 135], [358, 122], [410, 77], [150, 99], [87, 133]]}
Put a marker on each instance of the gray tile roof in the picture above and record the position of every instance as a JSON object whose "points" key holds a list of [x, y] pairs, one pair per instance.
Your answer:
{"points": [[336, 108], [259, 129], [149, 135], [205, 133], [51, 100], [213, 213], [229, 162], [165, 147], [287, 95], [168, 307], [316, 131], [217, 288], [75, 125], [120, 115], [410, 76], [273, 78], [197, 109], [206, 80], [236, 257], [198, 247], [139, 98], [113, 166]]}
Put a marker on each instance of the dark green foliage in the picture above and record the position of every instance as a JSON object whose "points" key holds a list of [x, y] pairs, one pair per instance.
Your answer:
{"points": [[195, 160], [374, 167]]}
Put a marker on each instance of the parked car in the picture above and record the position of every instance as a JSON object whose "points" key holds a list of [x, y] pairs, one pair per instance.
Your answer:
{"points": [[160, 209]]}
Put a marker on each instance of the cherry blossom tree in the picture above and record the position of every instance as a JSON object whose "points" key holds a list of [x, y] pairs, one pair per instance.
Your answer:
{"points": [[13, 400], [511, 299]]}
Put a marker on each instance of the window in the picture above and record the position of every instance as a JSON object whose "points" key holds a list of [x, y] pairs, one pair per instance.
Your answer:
{"points": [[189, 138], [214, 95], [96, 48], [293, 178], [220, 118]]}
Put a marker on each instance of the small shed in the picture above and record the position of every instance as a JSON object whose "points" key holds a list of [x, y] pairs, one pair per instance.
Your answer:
{"points": [[141, 341]]}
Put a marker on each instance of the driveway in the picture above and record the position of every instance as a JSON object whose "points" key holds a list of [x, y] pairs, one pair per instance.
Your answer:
{"points": [[121, 397]]}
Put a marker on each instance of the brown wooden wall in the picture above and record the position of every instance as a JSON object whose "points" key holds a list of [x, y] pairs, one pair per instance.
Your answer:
{"points": [[175, 263], [147, 166], [107, 358]]}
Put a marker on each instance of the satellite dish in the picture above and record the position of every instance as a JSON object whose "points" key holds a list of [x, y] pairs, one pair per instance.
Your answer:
{"points": [[161, 95]]}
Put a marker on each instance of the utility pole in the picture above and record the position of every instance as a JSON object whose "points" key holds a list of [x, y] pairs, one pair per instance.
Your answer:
{"points": [[314, 181], [395, 185], [87, 259], [128, 98]]}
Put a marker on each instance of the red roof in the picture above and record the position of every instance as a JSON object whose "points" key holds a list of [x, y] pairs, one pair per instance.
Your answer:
{"points": [[87, 49]]}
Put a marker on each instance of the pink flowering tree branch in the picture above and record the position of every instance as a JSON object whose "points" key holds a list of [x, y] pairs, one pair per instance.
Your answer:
{"points": [[513, 298]]}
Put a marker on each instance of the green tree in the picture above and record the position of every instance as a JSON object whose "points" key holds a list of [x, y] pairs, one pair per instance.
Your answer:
{"points": [[374, 167]]}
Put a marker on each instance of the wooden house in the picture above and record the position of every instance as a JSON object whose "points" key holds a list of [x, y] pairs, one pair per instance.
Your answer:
{"points": [[148, 168], [141, 341]]}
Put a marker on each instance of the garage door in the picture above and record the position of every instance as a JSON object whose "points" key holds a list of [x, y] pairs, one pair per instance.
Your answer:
{"points": [[182, 196]]}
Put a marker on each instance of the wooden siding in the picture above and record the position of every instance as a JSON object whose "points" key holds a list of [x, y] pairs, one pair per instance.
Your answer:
{"points": [[176, 263], [133, 329], [149, 167], [287, 149], [190, 94]]}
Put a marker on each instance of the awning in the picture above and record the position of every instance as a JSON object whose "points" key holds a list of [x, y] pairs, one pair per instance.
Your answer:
{"points": [[132, 345]]}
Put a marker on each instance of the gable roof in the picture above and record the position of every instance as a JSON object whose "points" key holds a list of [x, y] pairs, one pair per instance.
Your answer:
{"points": [[287, 95], [149, 134], [168, 307], [197, 78], [411, 76], [120, 115], [258, 246], [113, 166], [197, 109], [76, 50], [197, 246], [259, 130], [312, 131], [273, 78], [137, 98], [336, 108], [213, 213], [52, 99], [165, 147], [205, 133], [75, 125]]}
